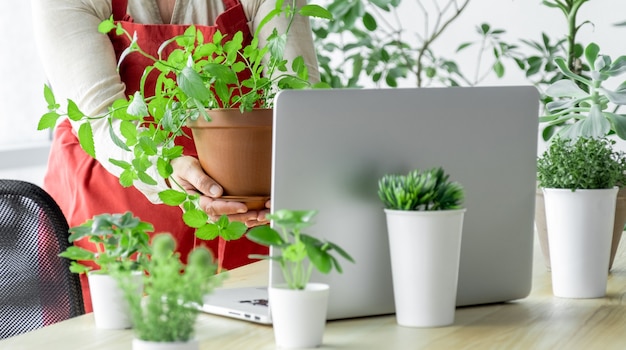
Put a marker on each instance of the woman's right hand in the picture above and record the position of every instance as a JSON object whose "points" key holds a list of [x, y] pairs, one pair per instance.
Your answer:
{"points": [[189, 175]]}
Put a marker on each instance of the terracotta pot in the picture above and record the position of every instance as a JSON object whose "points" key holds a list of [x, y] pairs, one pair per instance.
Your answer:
{"points": [[235, 149], [542, 229]]}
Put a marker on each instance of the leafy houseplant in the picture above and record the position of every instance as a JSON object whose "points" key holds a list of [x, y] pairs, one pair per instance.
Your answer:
{"points": [[424, 221], [117, 237], [121, 242], [427, 190], [300, 252], [168, 311], [579, 179], [583, 163], [299, 307], [196, 77], [581, 105]]}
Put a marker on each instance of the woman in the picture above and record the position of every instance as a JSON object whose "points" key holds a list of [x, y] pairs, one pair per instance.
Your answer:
{"points": [[81, 64]]}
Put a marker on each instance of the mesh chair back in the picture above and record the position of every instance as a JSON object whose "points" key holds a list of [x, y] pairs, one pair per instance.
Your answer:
{"points": [[36, 287]]}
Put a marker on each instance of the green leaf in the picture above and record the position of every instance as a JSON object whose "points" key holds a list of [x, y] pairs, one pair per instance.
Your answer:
{"points": [[207, 232], [265, 235], [172, 197], [73, 112], [106, 26], [49, 97], [233, 231], [369, 22], [85, 137], [48, 120], [120, 163], [317, 11], [190, 82], [127, 177], [195, 218]]}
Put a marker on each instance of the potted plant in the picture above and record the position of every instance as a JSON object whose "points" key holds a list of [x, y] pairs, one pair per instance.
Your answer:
{"points": [[298, 307], [583, 106], [424, 222], [119, 240], [200, 81], [165, 317], [579, 179]]}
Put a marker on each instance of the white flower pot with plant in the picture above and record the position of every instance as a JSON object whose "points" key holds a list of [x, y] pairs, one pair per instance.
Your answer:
{"points": [[425, 224], [298, 307], [579, 180], [119, 240], [582, 106], [165, 317]]}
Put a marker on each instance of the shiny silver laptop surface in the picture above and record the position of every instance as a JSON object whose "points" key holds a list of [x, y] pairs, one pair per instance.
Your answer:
{"points": [[330, 148]]}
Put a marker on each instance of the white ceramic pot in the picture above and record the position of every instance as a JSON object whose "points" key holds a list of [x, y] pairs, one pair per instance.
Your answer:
{"points": [[299, 316], [139, 344], [110, 308], [425, 249], [580, 230]]}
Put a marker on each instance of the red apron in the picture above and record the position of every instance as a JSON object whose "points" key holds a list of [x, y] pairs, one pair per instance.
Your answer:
{"points": [[83, 188]]}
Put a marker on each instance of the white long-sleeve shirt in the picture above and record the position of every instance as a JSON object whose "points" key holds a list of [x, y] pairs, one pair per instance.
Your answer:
{"points": [[80, 62]]}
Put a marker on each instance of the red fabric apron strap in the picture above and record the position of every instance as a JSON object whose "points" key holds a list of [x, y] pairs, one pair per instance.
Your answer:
{"points": [[119, 9]]}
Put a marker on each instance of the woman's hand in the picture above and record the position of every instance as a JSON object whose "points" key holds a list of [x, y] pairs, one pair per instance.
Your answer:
{"points": [[189, 174]]}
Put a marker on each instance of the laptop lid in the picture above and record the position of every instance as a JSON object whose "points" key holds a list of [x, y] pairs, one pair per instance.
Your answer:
{"points": [[332, 146]]}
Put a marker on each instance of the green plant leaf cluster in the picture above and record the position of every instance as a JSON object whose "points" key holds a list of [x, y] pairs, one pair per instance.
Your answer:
{"points": [[420, 190], [300, 252], [581, 105], [583, 163], [173, 291], [119, 240]]}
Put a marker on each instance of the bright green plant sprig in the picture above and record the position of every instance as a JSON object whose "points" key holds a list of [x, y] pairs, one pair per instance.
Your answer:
{"points": [[173, 291], [300, 253], [117, 237], [583, 163], [420, 190]]}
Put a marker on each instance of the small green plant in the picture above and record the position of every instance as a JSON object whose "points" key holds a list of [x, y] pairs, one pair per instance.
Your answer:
{"points": [[581, 105], [300, 253], [583, 163], [120, 239], [420, 190], [173, 291]]}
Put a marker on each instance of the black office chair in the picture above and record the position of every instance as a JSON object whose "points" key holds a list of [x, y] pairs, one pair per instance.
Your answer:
{"points": [[36, 287]]}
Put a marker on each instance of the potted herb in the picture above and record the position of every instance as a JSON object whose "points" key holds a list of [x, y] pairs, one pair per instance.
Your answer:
{"points": [[119, 240], [200, 81], [424, 221], [583, 106], [298, 307], [579, 180], [165, 317]]}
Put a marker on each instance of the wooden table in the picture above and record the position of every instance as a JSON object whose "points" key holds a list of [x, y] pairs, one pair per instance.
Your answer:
{"points": [[540, 321]]}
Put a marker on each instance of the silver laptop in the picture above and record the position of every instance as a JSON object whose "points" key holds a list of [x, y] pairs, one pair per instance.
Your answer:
{"points": [[332, 146]]}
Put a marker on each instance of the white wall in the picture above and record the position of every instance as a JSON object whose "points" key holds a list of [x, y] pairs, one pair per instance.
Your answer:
{"points": [[522, 19], [23, 149]]}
